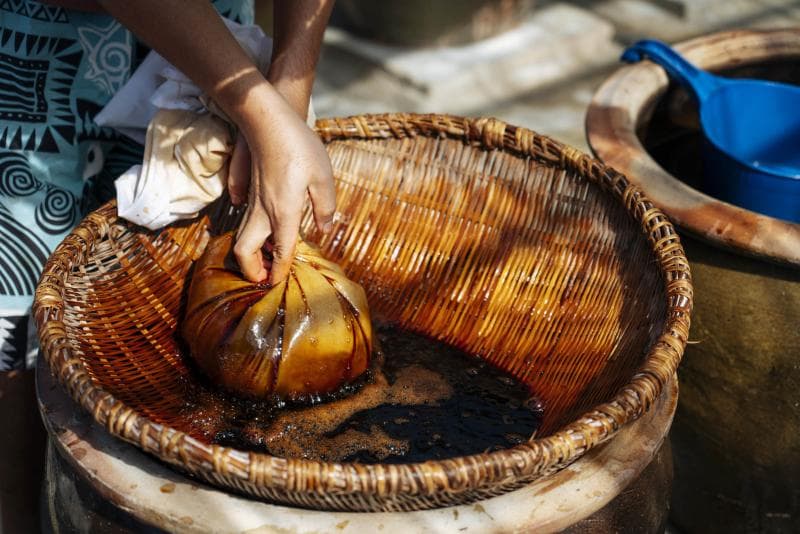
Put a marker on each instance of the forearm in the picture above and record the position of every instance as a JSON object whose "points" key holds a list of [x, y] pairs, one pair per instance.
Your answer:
{"points": [[192, 36], [299, 28], [286, 162]]}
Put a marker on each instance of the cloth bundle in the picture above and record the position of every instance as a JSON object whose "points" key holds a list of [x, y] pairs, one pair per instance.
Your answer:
{"points": [[307, 335]]}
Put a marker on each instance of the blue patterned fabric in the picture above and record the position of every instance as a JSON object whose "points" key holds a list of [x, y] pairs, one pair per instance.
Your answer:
{"points": [[58, 68]]}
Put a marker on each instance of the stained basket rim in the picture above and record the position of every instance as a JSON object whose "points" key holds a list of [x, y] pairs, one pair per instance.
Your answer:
{"points": [[314, 480]]}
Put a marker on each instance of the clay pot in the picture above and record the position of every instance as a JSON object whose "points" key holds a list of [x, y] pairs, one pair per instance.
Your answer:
{"points": [[425, 23], [735, 437]]}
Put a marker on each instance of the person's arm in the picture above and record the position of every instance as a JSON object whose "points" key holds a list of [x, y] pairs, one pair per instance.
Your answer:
{"points": [[288, 159], [298, 29]]}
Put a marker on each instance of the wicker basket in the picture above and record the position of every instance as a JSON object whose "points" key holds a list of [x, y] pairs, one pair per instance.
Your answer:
{"points": [[487, 236]]}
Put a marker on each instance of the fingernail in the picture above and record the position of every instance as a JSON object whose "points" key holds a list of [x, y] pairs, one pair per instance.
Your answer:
{"points": [[327, 227]]}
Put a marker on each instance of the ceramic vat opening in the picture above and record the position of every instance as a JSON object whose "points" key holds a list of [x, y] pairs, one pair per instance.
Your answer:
{"points": [[735, 440], [483, 235]]}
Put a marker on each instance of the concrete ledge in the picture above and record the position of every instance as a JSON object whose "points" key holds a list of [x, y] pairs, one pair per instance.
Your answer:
{"points": [[556, 42], [676, 20]]}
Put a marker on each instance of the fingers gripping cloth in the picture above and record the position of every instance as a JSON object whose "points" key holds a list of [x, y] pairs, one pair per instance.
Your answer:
{"points": [[188, 141], [306, 336], [184, 168]]}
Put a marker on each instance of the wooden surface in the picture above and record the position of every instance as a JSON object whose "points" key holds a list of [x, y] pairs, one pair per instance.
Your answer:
{"points": [[155, 495]]}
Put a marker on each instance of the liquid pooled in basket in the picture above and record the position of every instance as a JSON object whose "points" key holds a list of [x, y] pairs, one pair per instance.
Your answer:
{"points": [[422, 400]]}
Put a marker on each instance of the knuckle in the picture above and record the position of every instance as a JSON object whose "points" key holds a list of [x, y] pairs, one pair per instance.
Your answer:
{"points": [[326, 212], [282, 252], [279, 253], [240, 250], [280, 214]]}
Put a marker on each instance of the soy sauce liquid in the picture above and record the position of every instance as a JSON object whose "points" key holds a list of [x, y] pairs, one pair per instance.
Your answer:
{"points": [[485, 409], [423, 400]]}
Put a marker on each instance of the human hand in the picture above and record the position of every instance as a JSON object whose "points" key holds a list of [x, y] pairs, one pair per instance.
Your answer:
{"points": [[286, 158], [298, 96], [277, 161]]}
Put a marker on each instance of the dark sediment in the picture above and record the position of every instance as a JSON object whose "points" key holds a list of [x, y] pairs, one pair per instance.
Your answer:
{"points": [[422, 400]]}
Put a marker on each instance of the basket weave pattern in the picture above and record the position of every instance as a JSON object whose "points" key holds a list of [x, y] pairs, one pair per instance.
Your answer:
{"points": [[487, 236]]}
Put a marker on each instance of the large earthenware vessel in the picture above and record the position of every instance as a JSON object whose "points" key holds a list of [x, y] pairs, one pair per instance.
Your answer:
{"points": [[426, 23], [736, 437]]}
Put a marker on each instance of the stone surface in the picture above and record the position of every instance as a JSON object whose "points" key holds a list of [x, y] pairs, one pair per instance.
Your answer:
{"points": [[675, 20], [556, 42], [426, 23], [557, 110], [351, 82]]}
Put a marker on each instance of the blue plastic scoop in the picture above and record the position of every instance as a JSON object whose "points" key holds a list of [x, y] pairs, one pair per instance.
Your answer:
{"points": [[752, 130]]}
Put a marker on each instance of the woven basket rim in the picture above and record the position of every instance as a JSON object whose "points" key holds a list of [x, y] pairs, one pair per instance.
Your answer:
{"points": [[461, 474]]}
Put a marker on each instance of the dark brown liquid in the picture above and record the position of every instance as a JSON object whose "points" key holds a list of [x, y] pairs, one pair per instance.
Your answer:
{"points": [[422, 400]]}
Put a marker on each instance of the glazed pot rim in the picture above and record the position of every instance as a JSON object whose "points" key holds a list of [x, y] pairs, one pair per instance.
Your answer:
{"points": [[624, 102]]}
